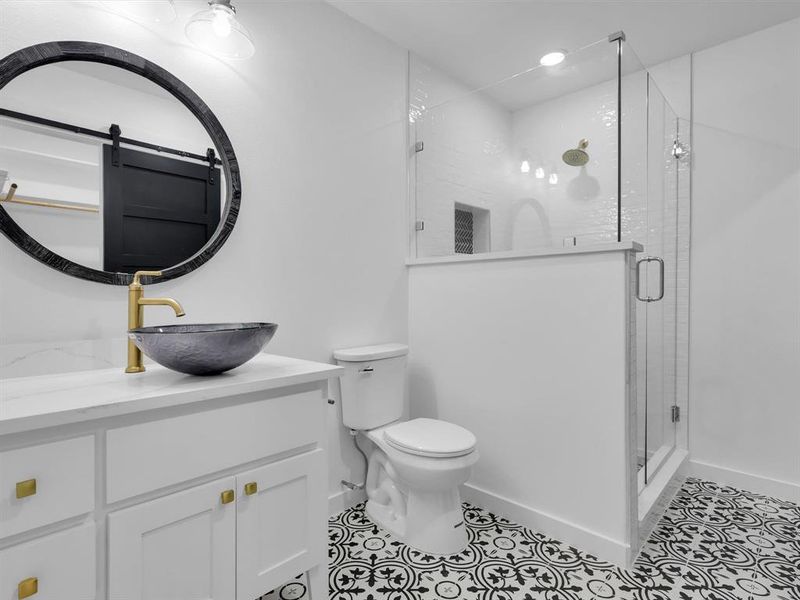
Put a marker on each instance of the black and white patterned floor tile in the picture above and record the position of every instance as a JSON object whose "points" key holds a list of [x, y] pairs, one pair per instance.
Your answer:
{"points": [[713, 543]]}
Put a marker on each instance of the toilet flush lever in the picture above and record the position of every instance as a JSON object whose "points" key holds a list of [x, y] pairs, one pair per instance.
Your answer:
{"points": [[366, 370]]}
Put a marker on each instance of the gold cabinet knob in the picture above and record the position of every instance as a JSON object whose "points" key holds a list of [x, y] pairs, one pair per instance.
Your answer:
{"points": [[27, 587], [227, 496], [26, 488], [250, 488]]}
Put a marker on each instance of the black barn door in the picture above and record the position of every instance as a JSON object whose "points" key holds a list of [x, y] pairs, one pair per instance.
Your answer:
{"points": [[157, 211]]}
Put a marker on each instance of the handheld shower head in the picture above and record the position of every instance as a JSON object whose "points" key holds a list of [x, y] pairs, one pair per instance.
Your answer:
{"points": [[577, 157]]}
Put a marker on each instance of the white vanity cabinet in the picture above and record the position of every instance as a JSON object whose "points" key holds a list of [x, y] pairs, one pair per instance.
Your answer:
{"points": [[236, 537], [159, 486]]}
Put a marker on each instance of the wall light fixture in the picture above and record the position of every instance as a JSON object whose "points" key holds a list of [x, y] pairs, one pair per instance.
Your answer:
{"points": [[217, 31]]}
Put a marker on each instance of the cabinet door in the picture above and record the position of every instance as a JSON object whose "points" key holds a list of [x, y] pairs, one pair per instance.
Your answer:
{"points": [[58, 566], [180, 547], [281, 523]]}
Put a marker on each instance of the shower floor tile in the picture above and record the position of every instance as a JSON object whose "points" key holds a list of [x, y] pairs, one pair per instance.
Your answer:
{"points": [[713, 543]]}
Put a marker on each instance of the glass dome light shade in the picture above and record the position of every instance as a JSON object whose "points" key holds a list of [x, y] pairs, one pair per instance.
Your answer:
{"points": [[217, 31], [144, 11]]}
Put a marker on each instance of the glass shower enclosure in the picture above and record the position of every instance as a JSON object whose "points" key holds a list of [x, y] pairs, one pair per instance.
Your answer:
{"points": [[654, 187], [581, 153]]}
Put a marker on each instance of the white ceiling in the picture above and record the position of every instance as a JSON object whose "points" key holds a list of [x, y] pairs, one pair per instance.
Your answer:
{"points": [[483, 41]]}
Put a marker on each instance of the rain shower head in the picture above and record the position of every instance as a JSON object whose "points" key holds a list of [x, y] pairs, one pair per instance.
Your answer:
{"points": [[577, 157]]}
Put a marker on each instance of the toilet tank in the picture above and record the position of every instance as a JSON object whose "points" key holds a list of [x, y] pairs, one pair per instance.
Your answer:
{"points": [[373, 384]]}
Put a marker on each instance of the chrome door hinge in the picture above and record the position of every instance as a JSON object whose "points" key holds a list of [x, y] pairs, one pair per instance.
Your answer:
{"points": [[419, 226], [419, 146], [676, 414]]}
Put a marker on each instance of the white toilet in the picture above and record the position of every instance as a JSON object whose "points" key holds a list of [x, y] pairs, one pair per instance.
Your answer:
{"points": [[416, 466]]}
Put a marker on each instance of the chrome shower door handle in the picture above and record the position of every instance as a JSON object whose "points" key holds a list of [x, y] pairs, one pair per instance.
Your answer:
{"points": [[646, 260]]}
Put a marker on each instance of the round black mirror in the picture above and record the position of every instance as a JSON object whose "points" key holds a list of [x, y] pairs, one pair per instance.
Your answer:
{"points": [[109, 164]]}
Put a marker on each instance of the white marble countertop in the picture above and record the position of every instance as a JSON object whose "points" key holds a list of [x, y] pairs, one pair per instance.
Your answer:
{"points": [[28, 403]]}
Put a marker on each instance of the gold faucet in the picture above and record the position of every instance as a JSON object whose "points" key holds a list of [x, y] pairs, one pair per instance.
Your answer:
{"points": [[136, 304]]}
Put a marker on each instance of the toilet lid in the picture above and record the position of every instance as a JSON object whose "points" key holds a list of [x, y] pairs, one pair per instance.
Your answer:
{"points": [[429, 437]]}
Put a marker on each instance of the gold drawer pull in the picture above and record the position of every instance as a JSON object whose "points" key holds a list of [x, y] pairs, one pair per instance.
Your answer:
{"points": [[227, 496], [27, 587], [250, 488], [24, 489]]}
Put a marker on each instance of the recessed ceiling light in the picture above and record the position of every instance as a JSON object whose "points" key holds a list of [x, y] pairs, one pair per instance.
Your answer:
{"points": [[552, 58]]}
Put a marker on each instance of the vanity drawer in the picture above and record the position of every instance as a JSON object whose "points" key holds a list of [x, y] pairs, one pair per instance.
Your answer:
{"points": [[56, 567], [148, 456], [45, 484]]}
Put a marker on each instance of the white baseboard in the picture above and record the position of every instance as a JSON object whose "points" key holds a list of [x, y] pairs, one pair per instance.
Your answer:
{"points": [[594, 543], [341, 501], [785, 490]]}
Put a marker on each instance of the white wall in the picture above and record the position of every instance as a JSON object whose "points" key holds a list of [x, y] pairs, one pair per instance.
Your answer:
{"points": [[530, 355], [745, 279], [317, 119]]}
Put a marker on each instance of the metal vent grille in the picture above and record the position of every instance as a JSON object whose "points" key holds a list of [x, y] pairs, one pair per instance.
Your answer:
{"points": [[465, 232]]}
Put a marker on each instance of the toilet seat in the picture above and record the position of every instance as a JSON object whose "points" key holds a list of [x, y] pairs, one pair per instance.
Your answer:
{"points": [[430, 437]]}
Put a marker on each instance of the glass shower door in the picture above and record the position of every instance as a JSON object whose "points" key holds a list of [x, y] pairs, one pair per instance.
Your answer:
{"points": [[656, 287]]}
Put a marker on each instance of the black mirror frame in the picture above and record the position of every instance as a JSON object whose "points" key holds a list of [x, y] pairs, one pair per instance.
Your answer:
{"points": [[19, 62]]}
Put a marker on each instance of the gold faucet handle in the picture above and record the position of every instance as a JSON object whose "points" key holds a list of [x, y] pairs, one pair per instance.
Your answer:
{"points": [[139, 274]]}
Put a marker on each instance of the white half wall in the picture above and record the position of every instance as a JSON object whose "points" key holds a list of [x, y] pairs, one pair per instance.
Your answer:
{"points": [[317, 119], [531, 355], [745, 262]]}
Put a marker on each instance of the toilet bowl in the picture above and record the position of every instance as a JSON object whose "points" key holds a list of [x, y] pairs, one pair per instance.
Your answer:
{"points": [[413, 492], [415, 467]]}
